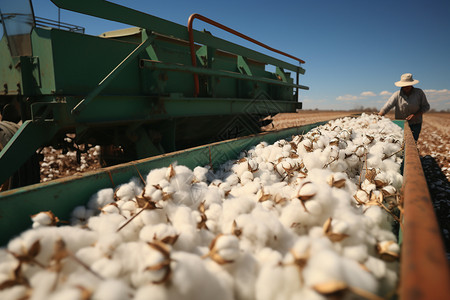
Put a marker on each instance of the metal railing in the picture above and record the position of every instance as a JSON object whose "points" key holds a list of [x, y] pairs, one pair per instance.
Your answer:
{"points": [[43, 22], [223, 27]]}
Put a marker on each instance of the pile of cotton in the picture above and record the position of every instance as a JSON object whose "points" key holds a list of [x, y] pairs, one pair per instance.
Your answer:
{"points": [[307, 218]]}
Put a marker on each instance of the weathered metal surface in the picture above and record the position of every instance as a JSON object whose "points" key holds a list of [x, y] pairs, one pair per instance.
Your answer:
{"points": [[424, 267]]}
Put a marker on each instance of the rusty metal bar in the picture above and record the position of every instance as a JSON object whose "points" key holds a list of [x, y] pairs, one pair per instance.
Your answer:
{"points": [[223, 27], [424, 268]]}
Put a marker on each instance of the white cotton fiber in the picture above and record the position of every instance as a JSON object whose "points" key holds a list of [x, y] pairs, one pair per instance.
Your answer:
{"points": [[271, 224], [112, 290], [227, 242], [192, 280], [42, 284], [157, 292], [17, 292], [81, 214], [185, 223], [355, 276], [159, 232], [100, 199], [105, 223], [107, 268], [244, 271], [72, 293], [129, 190]]}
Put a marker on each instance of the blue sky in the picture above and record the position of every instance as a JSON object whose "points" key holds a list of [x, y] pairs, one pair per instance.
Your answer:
{"points": [[354, 49]]}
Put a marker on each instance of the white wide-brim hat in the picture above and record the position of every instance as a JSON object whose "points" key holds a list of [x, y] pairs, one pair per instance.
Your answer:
{"points": [[406, 80]]}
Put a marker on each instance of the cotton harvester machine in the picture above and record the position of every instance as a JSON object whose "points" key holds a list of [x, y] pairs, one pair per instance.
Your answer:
{"points": [[150, 89]]}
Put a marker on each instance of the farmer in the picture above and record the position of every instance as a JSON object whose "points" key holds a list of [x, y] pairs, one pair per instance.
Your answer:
{"points": [[409, 102]]}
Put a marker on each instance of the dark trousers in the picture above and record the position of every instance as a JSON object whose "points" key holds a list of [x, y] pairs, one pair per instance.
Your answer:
{"points": [[415, 128]]}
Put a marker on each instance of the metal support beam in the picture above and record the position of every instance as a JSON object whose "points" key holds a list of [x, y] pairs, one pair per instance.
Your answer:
{"points": [[158, 65], [110, 77]]}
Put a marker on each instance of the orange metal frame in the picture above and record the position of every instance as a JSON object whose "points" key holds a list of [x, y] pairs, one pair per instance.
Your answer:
{"points": [[223, 27], [424, 267]]}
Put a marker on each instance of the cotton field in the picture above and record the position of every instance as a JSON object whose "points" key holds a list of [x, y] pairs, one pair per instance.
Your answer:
{"points": [[305, 218]]}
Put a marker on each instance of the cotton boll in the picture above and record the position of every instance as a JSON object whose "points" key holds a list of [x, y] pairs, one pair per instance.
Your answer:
{"points": [[311, 160], [360, 151], [42, 284], [246, 177], [17, 292], [395, 178], [128, 190], [157, 292], [128, 206], [316, 232], [240, 168], [214, 194], [361, 196], [108, 242], [107, 268], [322, 267], [391, 148], [279, 282], [391, 165], [71, 293], [153, 216], [307, 190], [234, 207], [270, 283], [268, 257], [314, 208], [214, 218], [224, 249], [161, 232], [185, 224], [376, 266], [100, 199], [389, 190], [192, 280], [105, 223], [154, 266], [357, 277], [338, 166], [254, 231], [200, 173], [183, 176], [244, 272], [80, 215], [374, 160], [357, 253], [294, 216], [155, 176], [45, 218], [111, 208], [378, 216], [368, 186], [112, 290], [390, 281], [89, 255], [352, 161]]}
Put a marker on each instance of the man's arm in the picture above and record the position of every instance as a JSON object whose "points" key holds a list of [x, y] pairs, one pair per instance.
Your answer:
{"points": [[389, 105]]}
